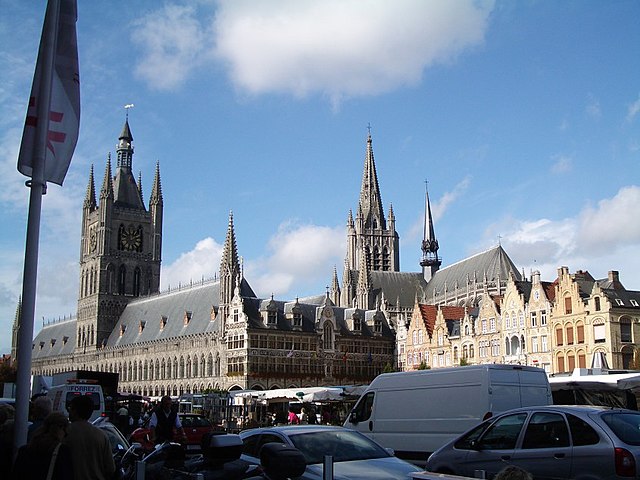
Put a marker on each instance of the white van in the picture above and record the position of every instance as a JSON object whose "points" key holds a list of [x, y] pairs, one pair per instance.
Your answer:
{"points": [[416, 412], [61, 395]]}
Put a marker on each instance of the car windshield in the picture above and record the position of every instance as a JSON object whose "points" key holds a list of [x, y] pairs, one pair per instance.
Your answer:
{"points": [[343, 445], [625, 425]]}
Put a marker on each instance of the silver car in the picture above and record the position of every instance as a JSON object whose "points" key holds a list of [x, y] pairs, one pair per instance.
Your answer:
{"points": [[550, 442], [355, 456]]}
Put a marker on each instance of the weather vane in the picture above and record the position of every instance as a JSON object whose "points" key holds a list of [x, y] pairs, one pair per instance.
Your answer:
{"points": [[127, 107]]}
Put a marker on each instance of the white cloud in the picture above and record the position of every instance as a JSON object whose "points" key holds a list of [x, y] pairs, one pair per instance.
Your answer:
{"points": [[612, 224], [633, 109], [173, 42], [298, 257], [561, 164], [591, 240], [203, 262], [339, 48], [342, 48]]}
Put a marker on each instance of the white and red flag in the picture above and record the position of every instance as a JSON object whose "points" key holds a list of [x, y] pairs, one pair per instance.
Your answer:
{"points": [[55, 95]]}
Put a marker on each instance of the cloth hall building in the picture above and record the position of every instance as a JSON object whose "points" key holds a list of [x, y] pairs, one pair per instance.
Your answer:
{"points": [[219, 335]]}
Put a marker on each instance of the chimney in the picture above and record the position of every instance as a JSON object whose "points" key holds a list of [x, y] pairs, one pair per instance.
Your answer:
{"points": [[614, 276]]}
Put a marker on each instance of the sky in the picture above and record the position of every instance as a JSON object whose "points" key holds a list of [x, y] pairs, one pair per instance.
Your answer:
{"points": [[523, 117]]}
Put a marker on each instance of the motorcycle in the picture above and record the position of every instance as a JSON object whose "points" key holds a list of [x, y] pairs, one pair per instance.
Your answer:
{"points": [[220, 460]]}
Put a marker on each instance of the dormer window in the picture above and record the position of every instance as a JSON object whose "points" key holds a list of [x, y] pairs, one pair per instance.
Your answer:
{"points": [[41, 345], [53, 342], [357, 323], [619, 302], [187, 317], [271, 318], [297, 319], [163, 322], [633, 302], [377, 325], [123, 328], [64, 340], [141, 326]]}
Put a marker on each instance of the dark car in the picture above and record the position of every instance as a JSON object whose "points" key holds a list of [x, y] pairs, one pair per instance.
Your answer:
{"points": [[194, 425], [355, 456], [550, 442]]}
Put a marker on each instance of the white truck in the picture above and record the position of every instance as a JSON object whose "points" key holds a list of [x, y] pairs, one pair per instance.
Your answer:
{"points": [[416, 412]]}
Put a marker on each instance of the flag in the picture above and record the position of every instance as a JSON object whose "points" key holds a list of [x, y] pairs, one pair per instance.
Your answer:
{"points": [[56, 81]]}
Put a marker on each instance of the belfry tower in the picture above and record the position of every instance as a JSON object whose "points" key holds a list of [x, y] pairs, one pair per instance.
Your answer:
{"points": [[120, 248]]}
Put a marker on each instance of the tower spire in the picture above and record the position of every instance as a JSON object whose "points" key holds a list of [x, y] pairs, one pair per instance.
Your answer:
{"points": [[370, 199], [107, 183], [430, 262], [90, 197], [156, 189]]}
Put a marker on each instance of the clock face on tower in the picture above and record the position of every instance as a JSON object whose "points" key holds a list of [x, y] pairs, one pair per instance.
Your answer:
{"points": [[93, 241], [130, 239]]}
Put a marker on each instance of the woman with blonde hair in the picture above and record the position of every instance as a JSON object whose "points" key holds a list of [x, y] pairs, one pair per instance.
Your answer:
{"points": [[45, 457]]}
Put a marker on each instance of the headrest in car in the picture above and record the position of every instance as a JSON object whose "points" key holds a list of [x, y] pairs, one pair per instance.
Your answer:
{"points": [[282, 461]]}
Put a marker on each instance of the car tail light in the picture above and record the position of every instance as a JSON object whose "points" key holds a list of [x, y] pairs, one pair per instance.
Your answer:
{"points": [[625, 463]]}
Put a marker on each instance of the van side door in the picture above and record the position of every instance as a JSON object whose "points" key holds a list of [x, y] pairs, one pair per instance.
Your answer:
{"points": [[360, 417]]}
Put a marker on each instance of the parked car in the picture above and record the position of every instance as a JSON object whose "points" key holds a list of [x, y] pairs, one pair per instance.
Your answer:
{"points": [[550, 442], [355, 456], [195, 426]]}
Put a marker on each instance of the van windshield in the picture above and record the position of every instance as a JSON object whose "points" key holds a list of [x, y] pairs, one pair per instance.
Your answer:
{"points": [[95, 396]]}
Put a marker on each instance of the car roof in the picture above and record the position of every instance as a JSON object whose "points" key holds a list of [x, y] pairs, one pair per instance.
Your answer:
{"points": [[570, 409], [295, 429]]}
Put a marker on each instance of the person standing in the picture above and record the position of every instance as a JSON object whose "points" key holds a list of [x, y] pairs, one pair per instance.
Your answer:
{"points": [[90, 447], [45, 457], [164, 420], [42, 407], [293, 417]]}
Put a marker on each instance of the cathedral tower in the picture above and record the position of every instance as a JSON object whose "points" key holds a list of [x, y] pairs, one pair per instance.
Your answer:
{"points": [[120, 247], [369, 238]]}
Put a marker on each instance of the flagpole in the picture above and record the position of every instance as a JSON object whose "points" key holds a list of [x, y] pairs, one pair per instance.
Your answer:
{"points": [[38, 188]]}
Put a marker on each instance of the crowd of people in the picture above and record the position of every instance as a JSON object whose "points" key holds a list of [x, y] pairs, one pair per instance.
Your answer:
{"points": [[58, 447]]}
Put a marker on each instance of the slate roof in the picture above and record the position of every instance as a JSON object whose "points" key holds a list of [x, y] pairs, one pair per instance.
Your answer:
{"points": [[494, 264], [50, 340], [396, 286]]}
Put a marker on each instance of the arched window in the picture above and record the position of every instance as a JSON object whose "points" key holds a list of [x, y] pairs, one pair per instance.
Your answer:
{"points": [[136, 282], [122, 279], [327, 334]]}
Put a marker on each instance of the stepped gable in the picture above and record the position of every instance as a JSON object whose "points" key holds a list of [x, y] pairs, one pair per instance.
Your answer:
{"points": [[451, 315], [493, 264]]}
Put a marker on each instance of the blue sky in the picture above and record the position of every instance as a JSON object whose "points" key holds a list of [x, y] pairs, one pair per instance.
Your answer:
{"points": [[524, 116]]}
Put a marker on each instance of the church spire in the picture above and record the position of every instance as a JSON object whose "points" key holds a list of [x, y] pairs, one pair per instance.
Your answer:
{"points": [[230, 275], [370, 199], [90, 197], [107, 183], [430, 262], [156, 189]]}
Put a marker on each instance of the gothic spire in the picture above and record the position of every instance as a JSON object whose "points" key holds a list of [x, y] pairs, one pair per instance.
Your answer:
{"points": [[156, 190], [90, 197], [430, 262], [107, 182], [140, 186], [370, 200], [230, 260]]}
